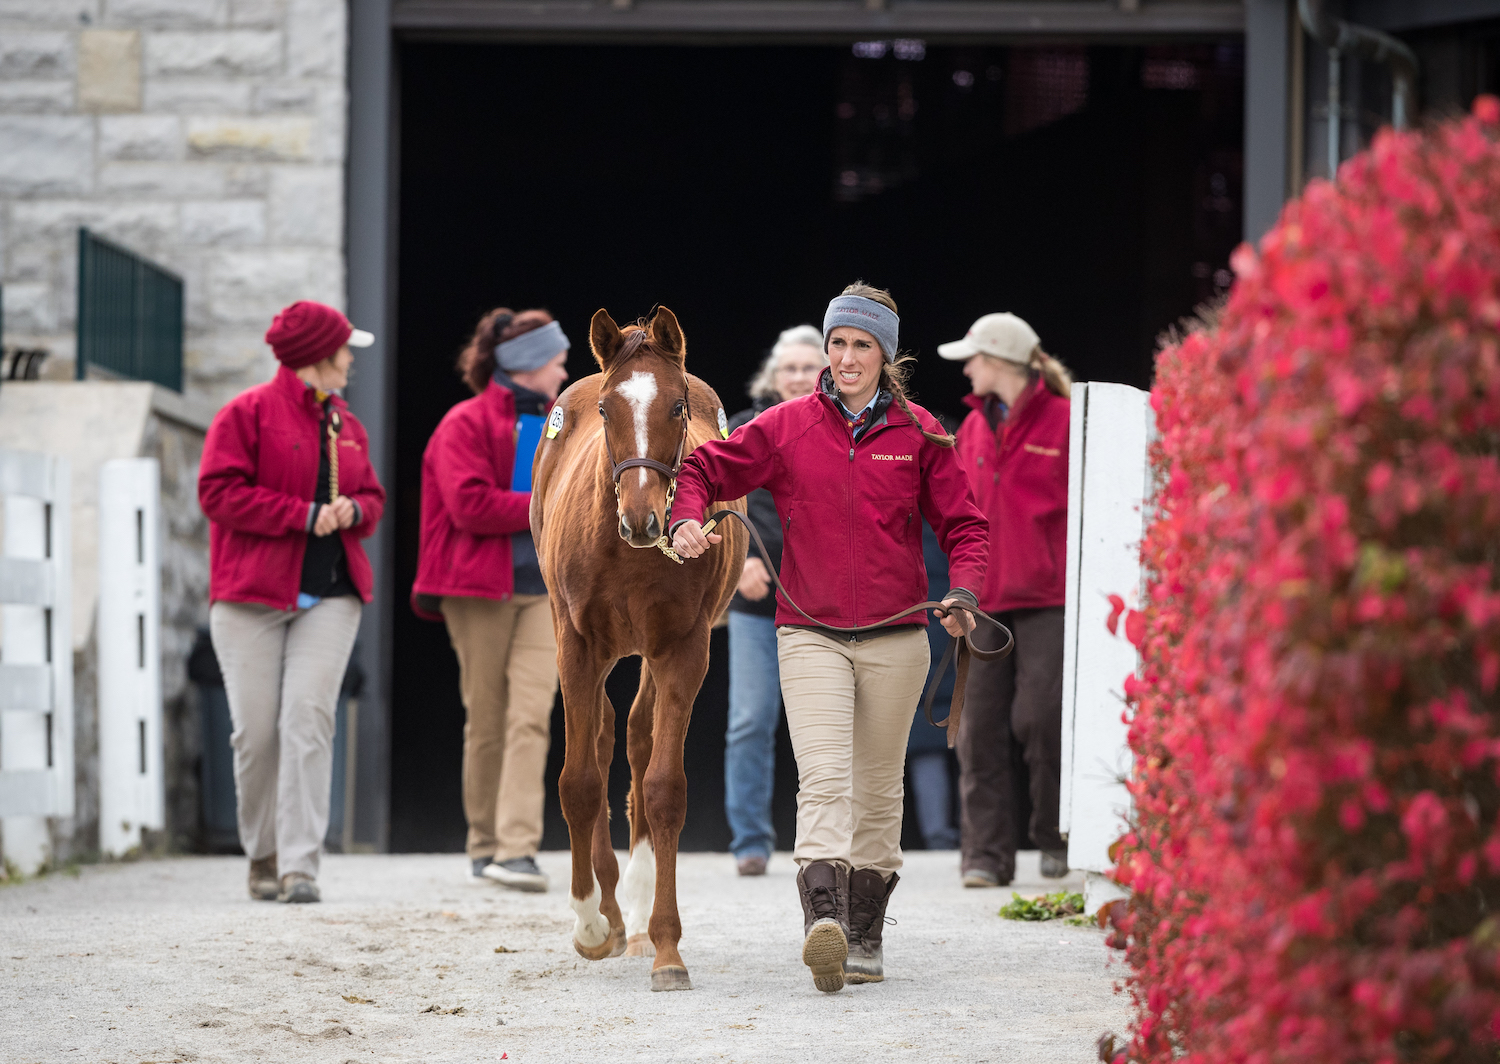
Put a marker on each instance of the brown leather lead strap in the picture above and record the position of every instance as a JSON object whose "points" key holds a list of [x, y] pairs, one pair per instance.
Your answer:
{"points": [[959, 650]]}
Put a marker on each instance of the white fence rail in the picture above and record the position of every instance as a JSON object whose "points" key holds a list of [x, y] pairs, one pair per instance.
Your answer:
{"points": [[131, 781], [36, 653], [1108, 485]]}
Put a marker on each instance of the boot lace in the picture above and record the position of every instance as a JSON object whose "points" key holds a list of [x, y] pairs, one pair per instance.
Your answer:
{"points": [[824, 903]]}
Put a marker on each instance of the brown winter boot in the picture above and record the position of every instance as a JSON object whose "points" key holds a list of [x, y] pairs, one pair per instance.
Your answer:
{"points": [[264, 884], [868, 894], [824, 887]]}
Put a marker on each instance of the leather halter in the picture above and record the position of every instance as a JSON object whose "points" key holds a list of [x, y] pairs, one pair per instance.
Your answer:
{"points": [[670, 472]]}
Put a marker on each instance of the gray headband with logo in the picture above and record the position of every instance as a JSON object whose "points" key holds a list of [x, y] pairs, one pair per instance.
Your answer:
{"points": [[532, 350], [857, 312]]}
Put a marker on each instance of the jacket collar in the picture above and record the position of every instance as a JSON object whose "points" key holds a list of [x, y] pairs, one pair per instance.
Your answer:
{"points": [[290, 386], [886, 412]]}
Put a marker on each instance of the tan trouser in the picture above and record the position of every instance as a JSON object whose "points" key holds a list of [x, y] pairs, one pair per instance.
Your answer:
{"points": [[849, 710], [507, 660], [282, 670]]}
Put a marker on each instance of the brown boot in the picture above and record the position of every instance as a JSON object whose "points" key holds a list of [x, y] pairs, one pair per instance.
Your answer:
{"points": [[264, 884], [868, 894], [824, 887]]}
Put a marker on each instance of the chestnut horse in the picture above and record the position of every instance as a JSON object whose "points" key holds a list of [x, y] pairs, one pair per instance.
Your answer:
{"points": [[602, 486]]}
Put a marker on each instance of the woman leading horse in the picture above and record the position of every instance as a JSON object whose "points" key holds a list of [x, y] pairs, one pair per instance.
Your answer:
{"points": [[850, 467]]}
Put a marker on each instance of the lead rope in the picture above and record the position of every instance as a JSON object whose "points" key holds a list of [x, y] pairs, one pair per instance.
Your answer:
{"points": [[335, 423], [959, 650]]}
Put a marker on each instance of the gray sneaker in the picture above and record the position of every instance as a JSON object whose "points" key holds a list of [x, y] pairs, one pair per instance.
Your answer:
{"points": [[519, 873], [477, 867], [298, 888], [1054, 865], [263, 882]]}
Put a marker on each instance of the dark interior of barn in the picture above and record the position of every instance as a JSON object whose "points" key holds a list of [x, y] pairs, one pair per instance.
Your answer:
{"points": [[1093, 191]]}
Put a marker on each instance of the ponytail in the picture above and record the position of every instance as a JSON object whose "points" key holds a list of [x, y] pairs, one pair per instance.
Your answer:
{"points": [[893, 379], [1054, 374]]}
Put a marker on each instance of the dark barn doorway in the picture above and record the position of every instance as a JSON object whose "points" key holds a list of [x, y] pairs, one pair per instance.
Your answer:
{"points": [[1095, 191]]}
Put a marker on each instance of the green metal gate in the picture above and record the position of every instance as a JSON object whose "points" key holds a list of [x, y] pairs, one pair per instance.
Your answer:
{"points": [[129, 314]]}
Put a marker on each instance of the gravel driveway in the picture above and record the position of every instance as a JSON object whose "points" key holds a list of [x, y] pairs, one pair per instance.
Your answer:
{"points": [[170, 961]]}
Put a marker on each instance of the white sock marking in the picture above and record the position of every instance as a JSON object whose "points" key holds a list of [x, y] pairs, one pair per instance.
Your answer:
{"points": [[639, 391], [589, 927], [639, 888]]}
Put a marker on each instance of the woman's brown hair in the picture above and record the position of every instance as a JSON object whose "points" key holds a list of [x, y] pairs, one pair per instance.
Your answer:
{"points": [[894, 375], [476, 362]]}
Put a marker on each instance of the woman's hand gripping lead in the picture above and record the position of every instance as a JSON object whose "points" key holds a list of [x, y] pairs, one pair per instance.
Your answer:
{"points": [[957, 622], [689, 540]]}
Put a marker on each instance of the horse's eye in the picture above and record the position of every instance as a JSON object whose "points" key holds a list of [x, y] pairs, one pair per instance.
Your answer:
{"points": [[678, 409], [601, 411]]}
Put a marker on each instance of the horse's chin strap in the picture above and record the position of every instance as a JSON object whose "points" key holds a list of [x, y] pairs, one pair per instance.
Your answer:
{"points": [[959, 650], [663, 543]]}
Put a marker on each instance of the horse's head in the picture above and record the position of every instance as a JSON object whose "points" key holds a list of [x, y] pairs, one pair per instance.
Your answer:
{"points": [[644, 402]]}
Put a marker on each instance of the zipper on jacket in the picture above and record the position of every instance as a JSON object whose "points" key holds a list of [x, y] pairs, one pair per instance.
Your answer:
{"points": [[851, 454]]}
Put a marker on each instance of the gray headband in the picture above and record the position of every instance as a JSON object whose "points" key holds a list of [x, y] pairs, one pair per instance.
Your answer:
{"points": [[857, 312], [532, 350]]}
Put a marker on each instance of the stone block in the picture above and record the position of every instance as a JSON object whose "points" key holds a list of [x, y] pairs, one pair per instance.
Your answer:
{"points": [[263, 13], [307, 205], [247, 181], [230, 53], [316, 38], [294, 96], [140, 137], [46, 155], [228, 356], [29, 308], [141, 227], [36, 97], [247, 288], [36, 261], [331, 139], [49, 12], [224, 222], [197, 96], [197, 13], [109, 70], [36, 56], [252, 139], [162, 180]]}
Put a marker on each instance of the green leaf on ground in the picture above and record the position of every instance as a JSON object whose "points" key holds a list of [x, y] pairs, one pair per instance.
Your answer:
{"points": [[1045, 907]]}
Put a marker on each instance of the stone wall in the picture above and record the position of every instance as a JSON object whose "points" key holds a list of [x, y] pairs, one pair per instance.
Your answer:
{"points": [[208, 135]]}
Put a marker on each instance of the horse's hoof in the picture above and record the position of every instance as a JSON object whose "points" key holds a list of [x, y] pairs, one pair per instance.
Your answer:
{"points": [[639, 946], [670, 977], [612, 946]]}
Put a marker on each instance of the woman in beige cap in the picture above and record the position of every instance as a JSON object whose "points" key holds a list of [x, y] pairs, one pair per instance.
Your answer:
{"points": [[1014, 447]]}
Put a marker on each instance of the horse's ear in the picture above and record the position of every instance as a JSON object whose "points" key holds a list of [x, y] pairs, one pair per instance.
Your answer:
{"points": [[666, 334], [604, 338]]}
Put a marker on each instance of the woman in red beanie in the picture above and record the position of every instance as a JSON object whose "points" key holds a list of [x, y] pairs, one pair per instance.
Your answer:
{"points": [[289, 492], [477, 570]]}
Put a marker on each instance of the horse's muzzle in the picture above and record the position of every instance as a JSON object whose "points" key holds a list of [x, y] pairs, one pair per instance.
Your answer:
{"points": [[641, 537]]}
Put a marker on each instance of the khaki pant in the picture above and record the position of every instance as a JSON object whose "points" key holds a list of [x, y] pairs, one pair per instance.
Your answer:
{"points": [[282, 670], [507, 660], [849, 710]]}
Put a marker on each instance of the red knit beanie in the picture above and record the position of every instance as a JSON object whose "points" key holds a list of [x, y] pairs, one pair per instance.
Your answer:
{"points": [[307, 332]]}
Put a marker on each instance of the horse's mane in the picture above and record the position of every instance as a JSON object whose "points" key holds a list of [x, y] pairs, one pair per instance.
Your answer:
{"points": [[637, 341]]}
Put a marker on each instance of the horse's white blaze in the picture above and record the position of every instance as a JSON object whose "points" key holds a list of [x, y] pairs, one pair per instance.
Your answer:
{"points": [[640, 888], [639, 391], [590, 927]]}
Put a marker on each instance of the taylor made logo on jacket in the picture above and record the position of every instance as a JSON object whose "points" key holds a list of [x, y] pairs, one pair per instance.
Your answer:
{"points": [[894, 457]]}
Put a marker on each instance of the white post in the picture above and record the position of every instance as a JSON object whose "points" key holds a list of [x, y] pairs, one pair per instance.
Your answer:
{"points": [[131, 781], [1108, 488], [36, 654]]}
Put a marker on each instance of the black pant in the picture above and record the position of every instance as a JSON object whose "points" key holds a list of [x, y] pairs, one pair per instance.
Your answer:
{"points": [[1017, 699]]}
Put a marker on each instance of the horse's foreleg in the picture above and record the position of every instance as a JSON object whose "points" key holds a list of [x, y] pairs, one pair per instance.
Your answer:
{"points": [[640, 873], [581, 786], [606, 867], [679, 675]]}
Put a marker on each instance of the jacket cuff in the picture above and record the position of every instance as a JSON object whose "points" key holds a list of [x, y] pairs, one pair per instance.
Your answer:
{"points": [[359, 513], [312, 516], [675, 525], [963, 594]]}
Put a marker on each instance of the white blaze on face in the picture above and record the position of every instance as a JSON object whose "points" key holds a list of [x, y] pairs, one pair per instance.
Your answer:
{"points": [[639, 391]]}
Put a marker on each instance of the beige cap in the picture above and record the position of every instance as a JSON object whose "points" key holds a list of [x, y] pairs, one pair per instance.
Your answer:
{"points": [[1000, 335]]}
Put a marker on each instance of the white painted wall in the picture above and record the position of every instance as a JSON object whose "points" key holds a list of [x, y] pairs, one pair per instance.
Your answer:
{"points": [[1108, 485], [131, 782]]}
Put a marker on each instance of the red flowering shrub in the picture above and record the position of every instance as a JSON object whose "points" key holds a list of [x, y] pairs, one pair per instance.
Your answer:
{"points": [[1316, 862]]}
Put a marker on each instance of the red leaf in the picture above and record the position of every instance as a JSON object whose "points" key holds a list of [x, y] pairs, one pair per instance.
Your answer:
{"points": [[1116, 607]]}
